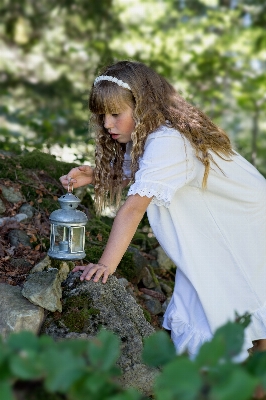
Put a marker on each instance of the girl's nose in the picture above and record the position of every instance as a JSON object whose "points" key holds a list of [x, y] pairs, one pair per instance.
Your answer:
{"points": [[107, 122]]}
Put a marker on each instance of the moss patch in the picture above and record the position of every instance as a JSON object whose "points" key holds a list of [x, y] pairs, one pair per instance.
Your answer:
{"points": [[127, 267], [76, 311], [97, 230], [147, 315], [154, 277], [42, 161]]}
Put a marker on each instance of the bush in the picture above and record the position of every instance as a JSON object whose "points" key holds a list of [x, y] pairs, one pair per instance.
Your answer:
{"points": [[81, 369]]}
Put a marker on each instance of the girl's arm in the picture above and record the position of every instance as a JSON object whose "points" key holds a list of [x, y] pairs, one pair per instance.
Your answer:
{"points": [[124, 227], [81, 176]]}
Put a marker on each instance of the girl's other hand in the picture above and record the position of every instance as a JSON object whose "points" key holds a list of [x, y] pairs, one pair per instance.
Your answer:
{"points": [[94, 269], [79, 176]]}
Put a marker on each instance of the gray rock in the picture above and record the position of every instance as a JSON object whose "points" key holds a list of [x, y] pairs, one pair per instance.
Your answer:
{"points": [[11, 194], [46, 264], [42, 265], [116, 311], [153, 306], [147, 279], [2, 207], [17, 313], [21, 217], [28, 210], [139, 261], [124, 282], [165, 304], [17, 236], [16, 218], [163, 260], [167, 289], [139, 377], [154, 264], [63, 270], [44, 289]]}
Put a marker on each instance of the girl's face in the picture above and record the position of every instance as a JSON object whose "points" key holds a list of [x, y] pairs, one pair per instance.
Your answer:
{"points": [[120, 126]]}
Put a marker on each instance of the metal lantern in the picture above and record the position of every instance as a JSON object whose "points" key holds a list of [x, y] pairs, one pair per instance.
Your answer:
{"points": [[67, 238]]}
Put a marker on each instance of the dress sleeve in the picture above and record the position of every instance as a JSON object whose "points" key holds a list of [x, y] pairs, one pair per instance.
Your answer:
{"points": [[167, 165]]}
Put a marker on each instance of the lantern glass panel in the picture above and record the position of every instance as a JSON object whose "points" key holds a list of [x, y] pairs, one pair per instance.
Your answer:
{"points": [[77, 239], [61, 234]]}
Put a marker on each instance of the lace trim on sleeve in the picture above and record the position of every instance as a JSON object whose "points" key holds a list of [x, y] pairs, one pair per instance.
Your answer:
{"points": [[162, 194]]}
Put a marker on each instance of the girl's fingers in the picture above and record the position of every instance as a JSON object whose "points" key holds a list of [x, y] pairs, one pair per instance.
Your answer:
{"points": [[101, 271], [90, 270], [78, 268], [105, 276]]}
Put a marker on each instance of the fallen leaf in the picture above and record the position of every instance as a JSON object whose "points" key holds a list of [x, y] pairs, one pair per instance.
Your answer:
{"points": [[100, 237]]}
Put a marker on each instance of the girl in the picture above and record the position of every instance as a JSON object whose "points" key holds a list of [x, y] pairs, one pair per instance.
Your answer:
{"points": [[205, 203]]}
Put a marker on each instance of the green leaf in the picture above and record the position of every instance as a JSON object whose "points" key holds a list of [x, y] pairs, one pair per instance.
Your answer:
{"points": [[158, 349], [180, 379], [94, 385], [211, 352], [5, 372], [104, 350], [63, 368], [256, 365], [78, 347], [233, 336], [24, 340], [237, 385], [25, 365], [5, 391]]}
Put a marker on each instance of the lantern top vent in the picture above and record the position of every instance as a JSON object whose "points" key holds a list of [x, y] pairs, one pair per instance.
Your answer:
{"points": [[69, 201]]}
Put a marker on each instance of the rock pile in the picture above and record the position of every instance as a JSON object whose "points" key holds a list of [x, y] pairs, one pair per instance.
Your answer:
{"points": [[46, 297]]}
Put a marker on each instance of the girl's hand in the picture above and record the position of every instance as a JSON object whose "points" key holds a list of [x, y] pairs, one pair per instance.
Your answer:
{"points": [[79, 176], [91, 269]]}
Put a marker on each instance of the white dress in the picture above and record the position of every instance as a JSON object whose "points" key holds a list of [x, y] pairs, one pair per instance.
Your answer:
{"points": [[216, 237]]}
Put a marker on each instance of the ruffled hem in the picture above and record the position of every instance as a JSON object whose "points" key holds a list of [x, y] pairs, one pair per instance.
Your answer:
{"points": [[185, 337], [162, 194]]}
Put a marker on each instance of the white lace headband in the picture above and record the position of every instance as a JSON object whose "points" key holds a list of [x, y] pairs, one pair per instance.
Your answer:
{"points": [[112, 79]]}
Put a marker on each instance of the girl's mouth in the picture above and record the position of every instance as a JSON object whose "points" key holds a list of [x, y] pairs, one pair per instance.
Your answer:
{"points": [[114, 136]]}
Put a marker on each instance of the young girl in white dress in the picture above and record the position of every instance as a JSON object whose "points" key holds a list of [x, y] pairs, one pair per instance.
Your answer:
{"points": [[205, 203]]}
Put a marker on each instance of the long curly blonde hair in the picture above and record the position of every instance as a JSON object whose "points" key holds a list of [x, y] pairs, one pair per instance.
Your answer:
{"points": [[154, 101]]}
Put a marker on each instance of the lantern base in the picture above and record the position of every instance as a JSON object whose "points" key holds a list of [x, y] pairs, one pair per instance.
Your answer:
{"points": [[66, 256]]}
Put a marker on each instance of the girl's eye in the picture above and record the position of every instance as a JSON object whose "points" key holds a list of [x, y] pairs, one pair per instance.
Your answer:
{"points": [[114, 115]]}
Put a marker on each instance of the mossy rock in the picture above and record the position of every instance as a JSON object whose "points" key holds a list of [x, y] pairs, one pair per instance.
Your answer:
{"points": [[76, 311], [47, 162]]}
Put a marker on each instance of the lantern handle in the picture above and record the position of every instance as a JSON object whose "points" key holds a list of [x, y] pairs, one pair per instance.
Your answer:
{"points": [[70, 186]]}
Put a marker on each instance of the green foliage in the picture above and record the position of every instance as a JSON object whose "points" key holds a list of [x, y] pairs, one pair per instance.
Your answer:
{"points": [[71, 369], [212, 374], [82, 369], [79, 369], [158, 350]]}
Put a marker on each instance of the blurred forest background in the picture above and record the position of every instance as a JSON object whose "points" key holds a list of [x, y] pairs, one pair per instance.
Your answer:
{"points": [[213, 51]]}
